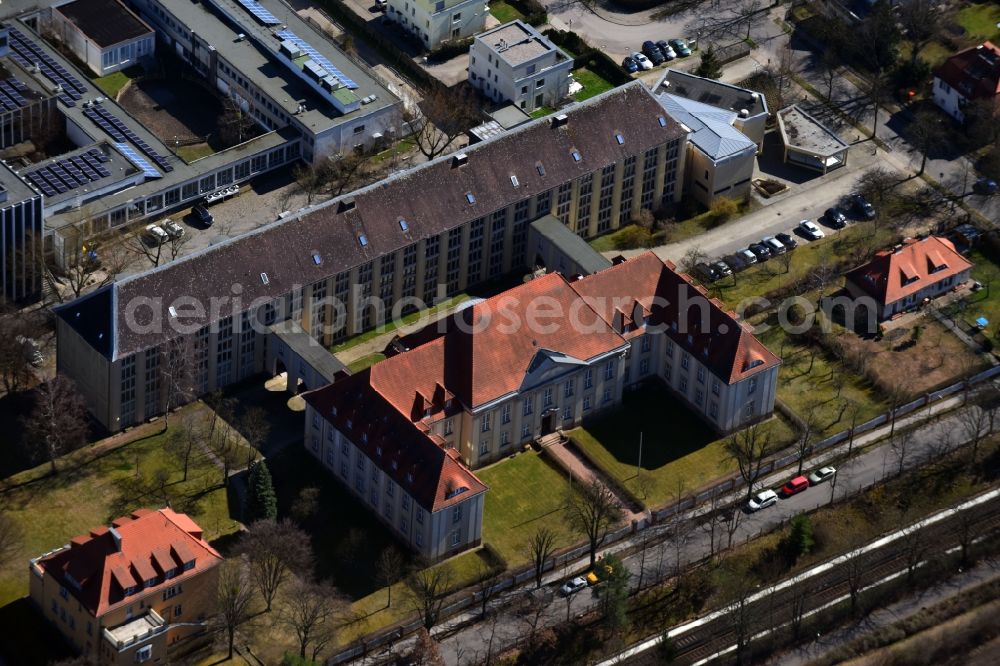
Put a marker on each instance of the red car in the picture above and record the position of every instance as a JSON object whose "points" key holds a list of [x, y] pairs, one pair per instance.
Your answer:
{"points": [[796, 485]]}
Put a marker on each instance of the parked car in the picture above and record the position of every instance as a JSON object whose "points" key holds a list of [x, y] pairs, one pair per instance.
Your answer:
{"points": [[810, 230], [862, 208], [796, 485], [156, 234], [680, 47], [573, 586], [653, 52], [665, 49], [985, 186], [642, 61], [774, 245], [706, 272], [173, 229], [201, 214], [787, 240], [835, 218], [630, 65], [762, 500], [761, 250], [748, 257], [821, 475], [600, 572], [723, 268]]}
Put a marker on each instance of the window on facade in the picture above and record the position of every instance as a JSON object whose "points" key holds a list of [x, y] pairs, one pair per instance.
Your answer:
{"points": [[484, 447], [448, 427], [701, 374], [646, 343], [586, 403], [504, 438], [567, 412], [752, 385], [607, 395], [609, 371], [525, 431], [485, 425], [644, 366], [456, 514], [568, 389], [505, 414], [528, 407], [715, 387], [684, 384], [455, 538], [685, 361], [547, 398], [713, 410], [588, 378]]}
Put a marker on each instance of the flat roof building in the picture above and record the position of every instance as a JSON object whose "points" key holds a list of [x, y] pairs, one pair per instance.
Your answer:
{"points": [[809, 143], [104, 34]]}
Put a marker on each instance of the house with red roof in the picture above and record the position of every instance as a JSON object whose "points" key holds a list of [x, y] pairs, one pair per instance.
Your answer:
{"points": [[405, 434], [133, 592], [968, 76], [901, 278]]}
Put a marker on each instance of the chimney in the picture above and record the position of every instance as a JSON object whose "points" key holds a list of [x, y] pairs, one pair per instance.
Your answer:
{"points": [[560, 120], [459, 160], [346, 205]]}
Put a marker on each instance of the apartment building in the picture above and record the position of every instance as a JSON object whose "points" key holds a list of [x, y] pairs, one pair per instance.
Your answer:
{"points": [[516, 63], [418, 236], [132, 592], [538, 358], [434, 22]]}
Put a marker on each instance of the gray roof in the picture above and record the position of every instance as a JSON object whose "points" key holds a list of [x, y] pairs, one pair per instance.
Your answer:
{"points": [[800, 130], [516, 42], [431, 198], [107, 22], [17, 190], [575, 248], [711, 92], [711, 128], [306, 348]]}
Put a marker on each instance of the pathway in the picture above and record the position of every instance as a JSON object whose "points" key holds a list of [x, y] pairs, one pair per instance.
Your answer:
{"points": [[583, 470]]}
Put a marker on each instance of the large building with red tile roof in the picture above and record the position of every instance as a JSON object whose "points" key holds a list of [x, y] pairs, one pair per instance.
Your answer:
{"points": [[405, 434], [968, 76], [131, 592], [901, 278]]}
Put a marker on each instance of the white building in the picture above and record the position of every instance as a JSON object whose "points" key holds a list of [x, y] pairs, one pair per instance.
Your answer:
{"points": [[968, 76], [434, 22], [720, 158], [104, 34], [515, 62]]}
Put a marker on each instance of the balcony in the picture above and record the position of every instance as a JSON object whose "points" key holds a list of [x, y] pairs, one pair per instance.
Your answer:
{"points": [[136, 631]]}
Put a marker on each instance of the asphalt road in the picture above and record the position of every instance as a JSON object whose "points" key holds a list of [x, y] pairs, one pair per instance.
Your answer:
{"points": [[461, 644]]}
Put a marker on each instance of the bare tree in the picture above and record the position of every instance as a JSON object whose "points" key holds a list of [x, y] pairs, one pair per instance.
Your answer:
{"points": [[488, 579], [182, 441], [309, 611], [901, 444], [175, 375], [57, 423], [921, 22], [855, 572], [877, 93], [925, 134], [254, 427], [977, 423], [390, 569], [915, 545], [804, 444], [235, 597], [85, 266], [15, 365], [429, 588], [540, 547], [223, 445], [593, 511], [236, 124], [731, 518], [446, 114], [275, 551], [426, 651], [748, 448]]}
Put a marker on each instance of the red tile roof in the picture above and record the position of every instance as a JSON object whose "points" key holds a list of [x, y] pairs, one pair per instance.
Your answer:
{"points": [[974, 72], [414, 458], [97, 568], [895, 274]]}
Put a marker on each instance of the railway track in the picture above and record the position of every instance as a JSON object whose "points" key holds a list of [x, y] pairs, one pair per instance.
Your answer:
{"points": [[713, 640]]}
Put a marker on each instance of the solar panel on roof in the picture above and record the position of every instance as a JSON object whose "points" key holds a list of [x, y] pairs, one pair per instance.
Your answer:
{"points": [[323, 62], [259, 12], [138, 160]]}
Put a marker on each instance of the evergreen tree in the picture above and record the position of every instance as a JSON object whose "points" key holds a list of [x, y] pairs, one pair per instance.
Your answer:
{"points": [[262, 503], [800, 539], [709, 67]]}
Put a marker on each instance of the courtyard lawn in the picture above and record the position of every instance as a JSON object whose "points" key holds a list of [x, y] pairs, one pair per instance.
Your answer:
{"points": [[194, 152], [396, 324], [542, 111], [97, 484], [593, 84], [986, 301], [811, 383], [980, 21], [526, 494], [365, 362], [504, 13], [679, 450], [112, 84]]}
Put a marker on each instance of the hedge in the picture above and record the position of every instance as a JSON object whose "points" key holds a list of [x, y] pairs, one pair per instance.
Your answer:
{"points": [[533, 11]]}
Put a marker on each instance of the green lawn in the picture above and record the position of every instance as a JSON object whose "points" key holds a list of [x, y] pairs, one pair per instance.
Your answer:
{"points": [[542, 111], [504, 12], [114, 82], [403, 147], [980, 21], [808, 384], [678, 448], [194, 152], [671, 232], [91, 490], [526, 494], [593, 84], [985, 302], [365, 362], [399, 323]]}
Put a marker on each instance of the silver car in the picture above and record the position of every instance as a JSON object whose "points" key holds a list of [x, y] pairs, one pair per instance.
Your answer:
{"points": [[762, 500], [573, 586], [821, 475]]}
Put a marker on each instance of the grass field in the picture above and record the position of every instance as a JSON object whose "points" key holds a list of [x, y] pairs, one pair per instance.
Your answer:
{"points": [[395, 324], [678, 448], [986, 301], [365, 362], [503, 12], [194, 152], [593, 84], [114, 82], [980, 21], [526, 494]]}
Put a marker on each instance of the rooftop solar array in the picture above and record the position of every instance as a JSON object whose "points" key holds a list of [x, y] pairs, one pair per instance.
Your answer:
{"points": [[323, 62], [259, 12], [121, 133], [69, 173], [27, 53], [10, 96], [138, 160]]}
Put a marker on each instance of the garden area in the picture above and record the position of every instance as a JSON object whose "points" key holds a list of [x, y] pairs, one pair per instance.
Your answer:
{"points": [[980, 21], [593, 84], [679, 451], [504, 12]]}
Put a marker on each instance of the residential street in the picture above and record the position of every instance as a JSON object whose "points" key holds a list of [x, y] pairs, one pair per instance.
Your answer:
{"points": [[465, 644]]}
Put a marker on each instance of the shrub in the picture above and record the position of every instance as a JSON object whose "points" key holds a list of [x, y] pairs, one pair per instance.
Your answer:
{"points": [[723, 209], [632, 237], [800, 539]]}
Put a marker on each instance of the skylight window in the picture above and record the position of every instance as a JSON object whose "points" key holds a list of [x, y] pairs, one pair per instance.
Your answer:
{"points": [[317, 259], [619, 138], [576, 155], [470, 197], [264, 279], [403, 225], [540, 168], [514, 181], [363, 240], [173, 311], [662, 121]]}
